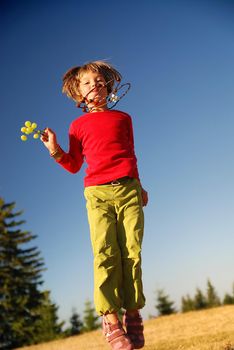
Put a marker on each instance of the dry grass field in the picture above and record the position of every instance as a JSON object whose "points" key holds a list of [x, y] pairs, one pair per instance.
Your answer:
{"points": [[211, 329]]}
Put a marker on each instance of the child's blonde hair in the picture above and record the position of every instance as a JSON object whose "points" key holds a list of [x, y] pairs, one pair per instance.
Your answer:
{"points": [[71, 78]]}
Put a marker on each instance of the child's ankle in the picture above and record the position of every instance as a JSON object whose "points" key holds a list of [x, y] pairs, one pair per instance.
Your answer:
{"points": [[112, 318], [132, 313]]}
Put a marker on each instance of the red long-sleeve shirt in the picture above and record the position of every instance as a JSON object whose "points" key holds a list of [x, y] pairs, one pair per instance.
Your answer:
{"points": [[105, 141]]}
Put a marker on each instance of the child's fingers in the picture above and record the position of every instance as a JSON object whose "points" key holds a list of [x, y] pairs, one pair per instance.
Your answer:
{"points": [[48, 135], [45, 136], [49, 131]]}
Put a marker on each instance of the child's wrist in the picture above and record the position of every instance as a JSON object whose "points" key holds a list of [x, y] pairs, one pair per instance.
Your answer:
{"points": [[53, 149], [57, 153]]}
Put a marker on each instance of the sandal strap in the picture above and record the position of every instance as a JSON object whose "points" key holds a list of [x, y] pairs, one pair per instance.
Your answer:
{"points": [[135, 328], [134, 321], [112, 331], [114, 335]]}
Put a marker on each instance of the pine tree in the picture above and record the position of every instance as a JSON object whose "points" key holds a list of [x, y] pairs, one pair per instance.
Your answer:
{"points": [[164, 304], [48, 326], [76, 324], [22, 304], [212, 297], [90, 319], [229, 299], [187, 304], [199, 300]]}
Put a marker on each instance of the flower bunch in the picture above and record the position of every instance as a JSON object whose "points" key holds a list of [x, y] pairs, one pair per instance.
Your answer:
{"points": [[30, 128]]}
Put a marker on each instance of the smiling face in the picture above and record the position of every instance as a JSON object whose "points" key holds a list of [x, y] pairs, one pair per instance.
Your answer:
{"points": [[92, 86]]}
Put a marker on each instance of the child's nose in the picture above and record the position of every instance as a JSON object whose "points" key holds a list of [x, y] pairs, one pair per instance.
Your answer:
{"points": [[94, 84]]}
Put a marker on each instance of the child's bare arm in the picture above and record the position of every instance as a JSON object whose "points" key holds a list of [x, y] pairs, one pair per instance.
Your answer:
{"points": [[50, 141]]}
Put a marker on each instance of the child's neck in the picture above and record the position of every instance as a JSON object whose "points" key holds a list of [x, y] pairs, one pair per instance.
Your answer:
{"points": [[98, 109]]}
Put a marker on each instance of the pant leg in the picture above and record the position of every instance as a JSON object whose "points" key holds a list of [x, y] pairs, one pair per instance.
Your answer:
{"points": [[130, 228], [108, 292]]}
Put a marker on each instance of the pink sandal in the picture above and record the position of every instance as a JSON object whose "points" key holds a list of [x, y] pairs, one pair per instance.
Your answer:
{"points": [[134, 328], [116, 336]]}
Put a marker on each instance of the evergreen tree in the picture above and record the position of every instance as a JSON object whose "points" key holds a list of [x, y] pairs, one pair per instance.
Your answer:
{"points": [[212, 297], [48, 326], [90, 319], [229, 299], [76, 324], [199, 300], [187, 304], [22, 304], [164, 304]]}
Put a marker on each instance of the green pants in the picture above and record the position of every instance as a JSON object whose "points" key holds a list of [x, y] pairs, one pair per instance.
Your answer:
{"points": [[116, 223]]}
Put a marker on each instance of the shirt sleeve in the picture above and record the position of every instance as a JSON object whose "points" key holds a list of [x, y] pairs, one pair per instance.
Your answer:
{"points": [[132, 149], [73, 160]]}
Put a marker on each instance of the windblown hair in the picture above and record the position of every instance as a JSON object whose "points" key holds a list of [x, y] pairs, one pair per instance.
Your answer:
{"points": [[71, 78]]}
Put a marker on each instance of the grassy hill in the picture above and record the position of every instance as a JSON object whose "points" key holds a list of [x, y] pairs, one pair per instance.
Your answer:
{"points": [[211, 329]]}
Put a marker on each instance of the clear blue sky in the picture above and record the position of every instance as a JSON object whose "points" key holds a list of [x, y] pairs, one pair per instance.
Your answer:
{"points": [[178, 56]]}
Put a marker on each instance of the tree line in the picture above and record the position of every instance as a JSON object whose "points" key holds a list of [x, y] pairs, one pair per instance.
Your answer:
{"points": [[201, 300], [28, 315]]}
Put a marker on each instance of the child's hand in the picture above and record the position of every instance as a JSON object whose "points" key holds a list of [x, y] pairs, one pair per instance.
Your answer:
{"points": [[49, 139], [144, 195]]}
